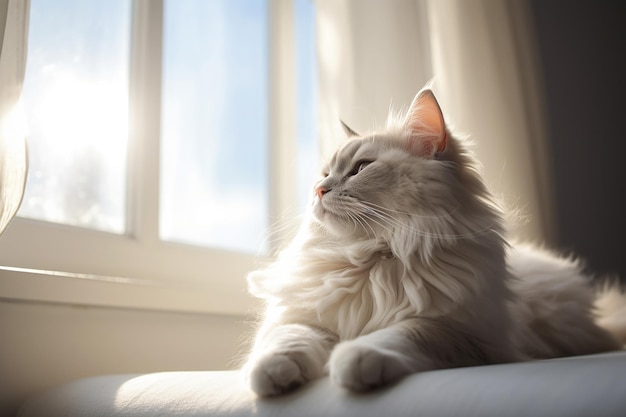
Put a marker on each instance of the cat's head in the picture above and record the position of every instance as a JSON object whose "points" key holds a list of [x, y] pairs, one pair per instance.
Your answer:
{"points": [[410, 186]]}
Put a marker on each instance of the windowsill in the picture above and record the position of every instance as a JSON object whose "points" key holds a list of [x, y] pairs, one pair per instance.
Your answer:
{"points": [[30, 285], [120, 271]]}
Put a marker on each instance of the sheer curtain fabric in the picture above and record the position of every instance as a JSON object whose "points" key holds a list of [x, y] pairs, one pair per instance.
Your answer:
{"points": [[13, 155], [480, 59]]}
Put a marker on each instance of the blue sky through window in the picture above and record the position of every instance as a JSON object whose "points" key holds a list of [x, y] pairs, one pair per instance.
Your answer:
{"points": [[214, 188], [215, 120], [214, 137]]}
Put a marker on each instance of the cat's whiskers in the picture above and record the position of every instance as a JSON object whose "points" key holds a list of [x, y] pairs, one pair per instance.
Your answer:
{"points": [[388, 210], [357, 218], [396, 225], [282, 229], [359, 221], [363, 220], [374, 214], [352, 206]]}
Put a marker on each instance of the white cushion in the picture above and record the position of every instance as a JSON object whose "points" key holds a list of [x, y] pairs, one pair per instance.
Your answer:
{"points": [[592, 385]]}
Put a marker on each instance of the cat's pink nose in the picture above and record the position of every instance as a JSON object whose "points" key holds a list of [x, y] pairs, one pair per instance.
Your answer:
{"points": [[320, 191]]}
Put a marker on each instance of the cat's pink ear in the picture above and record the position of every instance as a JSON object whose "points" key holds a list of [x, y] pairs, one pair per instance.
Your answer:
{"points": [[425, 122]]}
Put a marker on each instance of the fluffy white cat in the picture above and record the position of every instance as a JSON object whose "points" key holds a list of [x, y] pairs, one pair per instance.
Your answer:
{"points": [[403, 266]]}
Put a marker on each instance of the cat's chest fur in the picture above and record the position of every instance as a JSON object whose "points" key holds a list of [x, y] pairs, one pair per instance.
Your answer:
{"points": [[359, 289], [355, 298]]}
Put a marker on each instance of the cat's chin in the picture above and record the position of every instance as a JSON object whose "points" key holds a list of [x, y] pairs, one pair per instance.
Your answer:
{"points": [[328, 222], [323, 216], [338, 227]]}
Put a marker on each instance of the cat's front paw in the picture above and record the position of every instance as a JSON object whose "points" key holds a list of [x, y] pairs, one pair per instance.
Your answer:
{"points": [[360, 367], [274, 375]]}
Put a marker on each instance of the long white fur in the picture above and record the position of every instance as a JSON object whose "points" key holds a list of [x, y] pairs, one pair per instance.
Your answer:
{"points": [[382, 292]]}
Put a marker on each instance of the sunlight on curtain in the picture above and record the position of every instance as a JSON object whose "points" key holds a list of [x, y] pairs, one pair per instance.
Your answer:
{"points": [[373, 56], [376, 54], [13, 156], [483, 55]]}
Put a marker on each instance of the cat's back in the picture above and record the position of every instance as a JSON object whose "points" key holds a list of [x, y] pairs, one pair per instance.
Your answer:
{"points": [[553, 305], [536, 268], [542, 279]]}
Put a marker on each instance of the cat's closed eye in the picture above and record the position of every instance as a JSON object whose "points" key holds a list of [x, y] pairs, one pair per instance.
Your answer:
{"points": [[359, 166]]}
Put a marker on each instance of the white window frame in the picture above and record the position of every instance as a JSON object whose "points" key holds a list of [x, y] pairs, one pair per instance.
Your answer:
{"points": [[47, 262]]}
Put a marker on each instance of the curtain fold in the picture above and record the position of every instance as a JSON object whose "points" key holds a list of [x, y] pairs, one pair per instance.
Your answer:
{"points": [[13, 153], [479, 55], [372, 55], [481, 52]]}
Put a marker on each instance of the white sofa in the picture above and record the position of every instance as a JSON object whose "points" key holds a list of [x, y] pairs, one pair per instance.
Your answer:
{"points": [[586, 386]]}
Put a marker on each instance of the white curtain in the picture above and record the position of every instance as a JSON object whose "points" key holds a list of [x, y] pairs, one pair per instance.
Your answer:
{"points": [[481, 58], [13, 156], [371, 54]]}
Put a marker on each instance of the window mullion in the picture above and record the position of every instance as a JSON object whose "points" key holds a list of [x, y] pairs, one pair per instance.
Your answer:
{"points": [[282, 111], [145, 117]]}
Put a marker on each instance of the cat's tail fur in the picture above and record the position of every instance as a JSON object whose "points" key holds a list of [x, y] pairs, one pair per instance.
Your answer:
{"points": [[611, 310]]}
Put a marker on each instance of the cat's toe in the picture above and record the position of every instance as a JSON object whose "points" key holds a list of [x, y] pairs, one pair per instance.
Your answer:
{"points": [[360, 368], [275, 375], [355, 367]]}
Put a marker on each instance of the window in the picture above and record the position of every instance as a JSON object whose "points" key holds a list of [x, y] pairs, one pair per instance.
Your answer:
{"points": [[76, 97], [159, 150], [214, 173]]}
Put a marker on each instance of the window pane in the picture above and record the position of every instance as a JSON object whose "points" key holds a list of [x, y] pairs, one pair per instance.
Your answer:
{"points": [[76, 102], [214, 123]]}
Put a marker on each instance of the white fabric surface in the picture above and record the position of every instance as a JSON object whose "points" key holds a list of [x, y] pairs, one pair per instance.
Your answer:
{"points": [[13, 155], [584, 386]]}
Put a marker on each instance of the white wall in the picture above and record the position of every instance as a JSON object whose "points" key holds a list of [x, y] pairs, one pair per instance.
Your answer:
{"points": [[43, 345]]}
